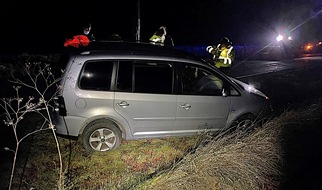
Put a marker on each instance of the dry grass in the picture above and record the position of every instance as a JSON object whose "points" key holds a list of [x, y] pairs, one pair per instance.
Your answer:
{"points": [[132, 163], [237, 161]]}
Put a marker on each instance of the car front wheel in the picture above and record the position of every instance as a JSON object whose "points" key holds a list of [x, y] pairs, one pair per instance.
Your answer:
{"points": [[101, 136], [244, 124]]}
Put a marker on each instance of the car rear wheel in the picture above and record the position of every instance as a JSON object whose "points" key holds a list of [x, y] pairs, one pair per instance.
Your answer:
{"points": [[101, 136]]}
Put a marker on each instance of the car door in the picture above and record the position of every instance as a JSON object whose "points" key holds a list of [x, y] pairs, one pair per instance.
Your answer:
{"points": [[201, 104], [143, 96]]}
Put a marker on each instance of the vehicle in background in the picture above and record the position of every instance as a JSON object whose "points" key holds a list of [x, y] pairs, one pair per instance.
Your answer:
{"points": [[311, 47]]}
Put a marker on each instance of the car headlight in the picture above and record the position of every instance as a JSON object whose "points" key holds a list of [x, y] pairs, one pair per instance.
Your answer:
{"points": [[252, 89]]}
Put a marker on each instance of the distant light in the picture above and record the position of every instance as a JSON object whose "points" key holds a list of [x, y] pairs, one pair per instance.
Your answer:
{"points": [[289, 38], [279, 38], [309, 47]]}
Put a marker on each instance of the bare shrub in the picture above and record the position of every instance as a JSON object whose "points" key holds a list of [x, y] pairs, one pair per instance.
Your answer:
{"points": [[39, 88]]}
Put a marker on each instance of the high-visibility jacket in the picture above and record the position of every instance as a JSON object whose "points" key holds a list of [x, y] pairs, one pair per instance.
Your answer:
{"points": [[157, 39], [159, 36], [222, 56]]}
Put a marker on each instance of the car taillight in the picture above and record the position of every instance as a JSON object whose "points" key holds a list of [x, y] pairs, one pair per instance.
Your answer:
{"points": [[60, 105]]}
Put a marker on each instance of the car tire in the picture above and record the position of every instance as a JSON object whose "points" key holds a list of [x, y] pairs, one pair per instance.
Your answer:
{"points": [[101, 136], [244, 124]]}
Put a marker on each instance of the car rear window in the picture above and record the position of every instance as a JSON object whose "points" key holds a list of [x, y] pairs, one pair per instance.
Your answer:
{"points": [[96, 75]]}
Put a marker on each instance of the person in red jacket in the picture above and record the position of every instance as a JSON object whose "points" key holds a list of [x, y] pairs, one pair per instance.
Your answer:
{"points": [[81, 39], [87, 31]]}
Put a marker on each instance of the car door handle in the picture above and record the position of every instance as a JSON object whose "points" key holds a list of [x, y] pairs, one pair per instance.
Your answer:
{"points": [[123, 104], [186, 106]]}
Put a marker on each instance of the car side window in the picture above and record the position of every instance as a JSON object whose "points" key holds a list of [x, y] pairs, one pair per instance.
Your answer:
{"points": [[153, 77], [145, 77], [124, 76], [199, 81], [96, 75]]}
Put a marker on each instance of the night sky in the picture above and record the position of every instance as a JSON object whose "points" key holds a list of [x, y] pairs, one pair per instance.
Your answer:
{"points": [[27, 25]]}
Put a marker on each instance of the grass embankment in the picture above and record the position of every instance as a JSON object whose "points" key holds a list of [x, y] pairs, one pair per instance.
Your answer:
{"points": [[133, 162], [235, 161], [258, 160]]}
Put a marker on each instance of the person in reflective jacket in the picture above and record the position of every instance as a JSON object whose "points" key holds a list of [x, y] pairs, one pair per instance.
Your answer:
{"points": [[223, 54], [159, 36]]}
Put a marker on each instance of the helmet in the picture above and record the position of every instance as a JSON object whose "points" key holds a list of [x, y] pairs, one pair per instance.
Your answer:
{"points": [[115, 37], [225, 42], [161, 31]]}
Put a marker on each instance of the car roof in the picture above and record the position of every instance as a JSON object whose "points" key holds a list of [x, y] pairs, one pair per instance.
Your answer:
{"points": [[132, 48]]}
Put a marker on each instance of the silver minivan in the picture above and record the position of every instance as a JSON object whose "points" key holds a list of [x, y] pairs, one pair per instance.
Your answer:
{"points": [[128, 90]]}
